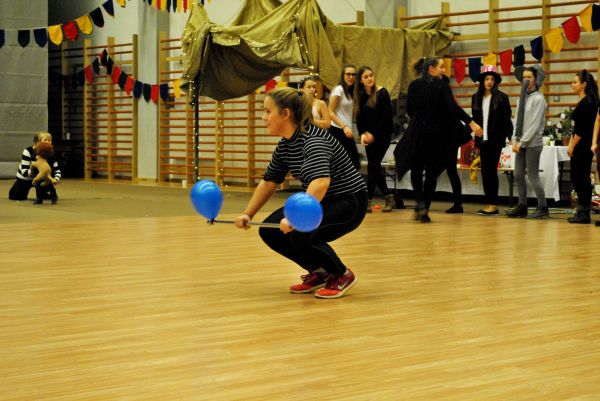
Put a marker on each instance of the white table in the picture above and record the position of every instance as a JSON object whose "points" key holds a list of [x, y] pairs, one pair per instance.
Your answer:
{"points": [[549, 165]]}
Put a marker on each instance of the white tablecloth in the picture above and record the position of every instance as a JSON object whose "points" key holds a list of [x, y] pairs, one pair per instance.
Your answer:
{"points": [[549, 164]]}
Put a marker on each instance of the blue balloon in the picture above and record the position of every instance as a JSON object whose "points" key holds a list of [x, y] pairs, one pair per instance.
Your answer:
{"points": [[303, 211], [207, 198]]}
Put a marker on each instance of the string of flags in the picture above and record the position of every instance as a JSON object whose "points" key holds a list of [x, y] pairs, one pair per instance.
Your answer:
{"points": [[571, 28], [85, 24], [119, 77]]}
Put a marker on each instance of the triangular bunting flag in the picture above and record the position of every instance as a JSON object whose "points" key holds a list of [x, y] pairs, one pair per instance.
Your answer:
{"points": [[122, 80], [474, 68], [41, 36], [121, 3], [554, 40], [164, 92], [97, 17], [459, 69], [109, 65], [108, 6], [506, 61], [88, 74], [177, 87], [595, 17], [572, 29], [129, 85], [447, 65], [586, 19], [96, 65], [85, 24], [490, 59], [24, 36], [55, 34], [537, 48], [270, 85], [103, 57], [154, 93], [147, 91], [519, 56], [81, 78], [138, 89], [71, 31], [185, 5], [116, 73]]}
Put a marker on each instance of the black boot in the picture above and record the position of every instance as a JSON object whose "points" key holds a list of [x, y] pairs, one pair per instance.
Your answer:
{"points": [[518, 211], [456, 208], [582, 216]]}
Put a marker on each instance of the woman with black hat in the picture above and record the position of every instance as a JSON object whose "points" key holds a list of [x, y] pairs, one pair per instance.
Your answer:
{"points": [[491, 110]]}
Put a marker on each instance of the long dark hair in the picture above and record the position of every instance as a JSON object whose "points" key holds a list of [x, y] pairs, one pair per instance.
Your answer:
{"points": [[422, 66], [591, 87], [348, 89], [481, 93], [359, 90]]}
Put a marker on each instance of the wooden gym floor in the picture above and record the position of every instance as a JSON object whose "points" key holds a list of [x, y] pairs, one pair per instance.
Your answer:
{"points": [[121, 292]]}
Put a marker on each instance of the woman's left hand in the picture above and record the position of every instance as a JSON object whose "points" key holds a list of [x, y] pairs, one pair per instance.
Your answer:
{"points": [[285, 226], [570, 149]]}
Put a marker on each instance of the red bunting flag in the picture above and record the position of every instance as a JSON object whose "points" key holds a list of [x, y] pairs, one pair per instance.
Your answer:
{"points": [[154, 93], [185, 5], [270, 85], [129, 85], [116, 72], [459, 69], [71, 31], [572, 29], [89, 77], [506, 61]]}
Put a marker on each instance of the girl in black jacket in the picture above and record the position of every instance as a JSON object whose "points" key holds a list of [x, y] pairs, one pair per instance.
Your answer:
{"points": [[491, 110]]}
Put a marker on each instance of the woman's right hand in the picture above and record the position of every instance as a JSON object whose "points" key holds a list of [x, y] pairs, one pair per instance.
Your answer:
{"points": [[594, 148], [477, 130], [348, 132], [242, 221]]}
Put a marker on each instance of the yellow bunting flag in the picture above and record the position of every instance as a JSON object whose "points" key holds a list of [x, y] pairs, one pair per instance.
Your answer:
{"points": [[177, 87], [85, 24], [121, 3], [179, 5], [586, 19], [163, 5], [448, 66], [282, 84], [490, 59], [55, 34], [554, 40]]}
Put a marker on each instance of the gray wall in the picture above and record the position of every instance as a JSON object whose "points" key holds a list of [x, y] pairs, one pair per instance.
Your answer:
{"points": [[23, 82]]}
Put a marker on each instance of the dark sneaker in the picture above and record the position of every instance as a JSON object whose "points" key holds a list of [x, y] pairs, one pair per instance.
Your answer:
{"points": [[54, 200], [483, 212], [540, 213], [38, 201], [518, 211], [310, 283], [337, 285], [455, 209]]}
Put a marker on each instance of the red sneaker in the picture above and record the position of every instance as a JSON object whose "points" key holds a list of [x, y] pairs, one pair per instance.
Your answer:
{"points": [[337, 285], [310, 282]]}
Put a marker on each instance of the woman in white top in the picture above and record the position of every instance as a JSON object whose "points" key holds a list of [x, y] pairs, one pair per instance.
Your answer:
{"points": [[320, 113], [340, 110]]}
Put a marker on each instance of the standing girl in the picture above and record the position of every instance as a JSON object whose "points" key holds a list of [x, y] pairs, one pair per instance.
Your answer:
{"points": [[319, 111], [374, 120], [491, 110], [580, 144], [319, 161], [340, 111]]}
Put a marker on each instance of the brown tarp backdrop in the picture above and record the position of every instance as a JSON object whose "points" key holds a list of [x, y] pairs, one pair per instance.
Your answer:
{"points": [[234, 61]]}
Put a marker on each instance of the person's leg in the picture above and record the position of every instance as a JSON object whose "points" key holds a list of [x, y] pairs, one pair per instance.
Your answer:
{"points": [[533, 173], [520, 163], [490, 156], [19, 190], [375, 153], [455, 184], [581, 168]]}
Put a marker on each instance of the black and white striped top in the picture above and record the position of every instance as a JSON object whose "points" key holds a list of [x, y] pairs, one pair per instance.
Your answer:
{"points": [[315, 154], [24, 172]]}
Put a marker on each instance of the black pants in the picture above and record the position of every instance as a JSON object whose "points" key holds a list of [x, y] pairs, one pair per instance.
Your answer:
{"points": [[20, 190], [45, 192], [490, 156], [348, 144], [454, 179], [581, 167], [428, 165], [375, 175], [341, 215]]}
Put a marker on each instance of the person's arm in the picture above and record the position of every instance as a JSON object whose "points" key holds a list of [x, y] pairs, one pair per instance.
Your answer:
{"points": [[536, 119], [384, 115], [456, 111], [325, 121], [27, 163], [572, 143], [596, 130], [56, 173], [261, 195], [507, 117]]}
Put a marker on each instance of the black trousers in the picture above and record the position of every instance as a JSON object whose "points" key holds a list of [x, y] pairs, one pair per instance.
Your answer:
{"points": [[429, 166], [375, 176], [341, 215], [490, 156], [348, 144], [581, 167], [45, 192], [454, 179], [20, 190]]}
